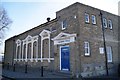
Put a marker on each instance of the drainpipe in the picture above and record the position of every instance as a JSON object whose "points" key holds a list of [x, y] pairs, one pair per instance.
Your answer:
{"points": [[103, 31]]}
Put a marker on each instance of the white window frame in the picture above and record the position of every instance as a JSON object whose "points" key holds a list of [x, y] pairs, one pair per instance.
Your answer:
{"points": [[64, 24], [110, 24], [87, 48], [93, 19], [44, 32], [18, 55], [109, 53], [105, 22], [101, 49], [86, 17], [27, 40]]}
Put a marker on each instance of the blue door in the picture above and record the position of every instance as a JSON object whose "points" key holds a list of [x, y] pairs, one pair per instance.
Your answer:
{"points": [[65, 58]]}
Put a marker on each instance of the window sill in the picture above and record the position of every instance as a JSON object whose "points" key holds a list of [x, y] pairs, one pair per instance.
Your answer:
{"points": [[87, 22], [93, 24], [63, 28], [87, 55]]}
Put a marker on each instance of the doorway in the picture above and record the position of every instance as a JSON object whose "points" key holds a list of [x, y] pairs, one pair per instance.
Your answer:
{"points": [[65, 58]]}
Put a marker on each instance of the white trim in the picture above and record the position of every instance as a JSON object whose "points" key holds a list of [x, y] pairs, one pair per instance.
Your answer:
{"points": [[93, 19], [24, 43], [109, 53], [41, 50], [18, 44], [45, 34], [26, 53], [105, 22], [60, 53], [60, 56], [27, 40], [87, 16], [35, 39], [87, 47], [101, 50], [30, 39], [46, 59], [64, 24], [110, 23], [64, 38], [49, 50], [32, 51], [37, 59], [22, 51], [66, 35], [37, 51]]}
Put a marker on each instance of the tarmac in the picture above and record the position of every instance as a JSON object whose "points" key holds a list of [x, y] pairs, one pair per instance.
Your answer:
{"points": [[20, 73], [9, 73]]}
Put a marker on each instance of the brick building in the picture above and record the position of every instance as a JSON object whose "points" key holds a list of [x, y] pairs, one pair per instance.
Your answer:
{"points": [[72, 42]]}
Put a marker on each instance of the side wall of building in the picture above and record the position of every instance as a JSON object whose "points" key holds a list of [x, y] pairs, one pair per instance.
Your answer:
{"points": [[94, 64], [9, 51]]}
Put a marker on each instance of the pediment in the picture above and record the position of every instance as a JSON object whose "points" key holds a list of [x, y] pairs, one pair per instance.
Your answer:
{"points": [[63, 35], [18, 41], [28, 38], [44, 32]]}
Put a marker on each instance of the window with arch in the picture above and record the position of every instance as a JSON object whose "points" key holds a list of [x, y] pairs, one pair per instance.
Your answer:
{"points": [[18, 50], [45, 43], [30, 48]]}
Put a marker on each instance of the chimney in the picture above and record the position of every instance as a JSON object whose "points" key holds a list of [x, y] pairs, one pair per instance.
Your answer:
{"points": [[48, 19]]}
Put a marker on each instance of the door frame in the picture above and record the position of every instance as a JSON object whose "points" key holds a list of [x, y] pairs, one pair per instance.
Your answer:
{"points": [[60, 54]]}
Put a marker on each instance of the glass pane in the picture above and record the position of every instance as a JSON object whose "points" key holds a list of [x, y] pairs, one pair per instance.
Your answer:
{"points": [[109, 54], [86, 17]]}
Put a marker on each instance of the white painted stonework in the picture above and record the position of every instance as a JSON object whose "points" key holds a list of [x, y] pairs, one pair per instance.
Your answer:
{"points": [[18, 42], [64, 38], [45, 34], [61, 38], [101, 49], [27, 40]]}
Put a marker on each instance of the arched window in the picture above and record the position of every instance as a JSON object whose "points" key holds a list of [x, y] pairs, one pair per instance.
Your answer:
{"points": [[18, 50], [34, 55], [45, 46], [28, 48]]}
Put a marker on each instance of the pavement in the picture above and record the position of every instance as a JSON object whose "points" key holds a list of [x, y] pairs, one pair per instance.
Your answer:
{"points": [[19, 73], [13, 75], [35, 74]]}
